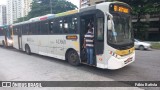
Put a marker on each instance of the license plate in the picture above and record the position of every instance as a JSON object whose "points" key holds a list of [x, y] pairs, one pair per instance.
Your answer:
{"points": [[128, 60]]}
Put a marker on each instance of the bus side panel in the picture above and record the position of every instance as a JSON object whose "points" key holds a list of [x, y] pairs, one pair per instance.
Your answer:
{"points": [[15, 41], [59, 44], [42, 41], [32, 41]]}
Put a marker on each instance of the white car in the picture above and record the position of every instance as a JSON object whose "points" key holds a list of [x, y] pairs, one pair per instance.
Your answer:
{"points": [[141, 45]]}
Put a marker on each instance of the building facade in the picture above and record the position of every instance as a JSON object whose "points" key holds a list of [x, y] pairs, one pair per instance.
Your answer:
{"points": [[152, 31], [27, 6], [17, 9], [3, 14]]}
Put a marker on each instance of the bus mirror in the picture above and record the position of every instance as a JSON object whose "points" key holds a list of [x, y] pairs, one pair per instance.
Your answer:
{"points": [[109, 25]]}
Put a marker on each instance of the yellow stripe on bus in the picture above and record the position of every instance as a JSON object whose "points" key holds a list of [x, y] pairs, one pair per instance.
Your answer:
{"points": [[66, 13], [125, 52], [76, 45]]}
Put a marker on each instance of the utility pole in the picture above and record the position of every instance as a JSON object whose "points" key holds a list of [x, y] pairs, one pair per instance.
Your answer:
{"points": [[51, 6]]}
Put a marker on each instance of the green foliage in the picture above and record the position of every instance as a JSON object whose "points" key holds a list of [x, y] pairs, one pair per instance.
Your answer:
{"points": [[141, 8], [43, 7], [21, 19], [144, 6], [155, 45]]}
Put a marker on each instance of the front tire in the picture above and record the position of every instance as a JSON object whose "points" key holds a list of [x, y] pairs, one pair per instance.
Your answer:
{"points": [[141, 47], [27, 49], [73, 58]]}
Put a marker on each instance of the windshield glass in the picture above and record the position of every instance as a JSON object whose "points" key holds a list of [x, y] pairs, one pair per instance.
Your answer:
{"points": [[121, 34]]}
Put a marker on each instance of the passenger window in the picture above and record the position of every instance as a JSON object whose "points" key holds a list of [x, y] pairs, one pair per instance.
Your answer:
{"points": [[66, 27], [44, 28], [100, 29], [70, 25], [60, 26], [1, 32], [39, 27], [34, 28], [51, 27], [15, 31]]}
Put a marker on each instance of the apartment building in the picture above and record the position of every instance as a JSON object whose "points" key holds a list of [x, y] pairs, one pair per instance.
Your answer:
{"points": [[3, 18], [27, 6], [17, 9]]}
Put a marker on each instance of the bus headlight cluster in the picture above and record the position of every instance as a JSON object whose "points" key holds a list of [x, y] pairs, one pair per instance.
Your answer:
{"points": [[114, 54], [10, 41]]}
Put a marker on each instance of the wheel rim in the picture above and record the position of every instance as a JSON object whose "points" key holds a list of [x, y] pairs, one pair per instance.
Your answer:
{"points": [[141, 48], [73, 57]]}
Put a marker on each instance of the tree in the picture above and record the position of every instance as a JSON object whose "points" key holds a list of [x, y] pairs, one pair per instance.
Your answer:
{"points": [[142, 8], [43, 7], [21, 19]]}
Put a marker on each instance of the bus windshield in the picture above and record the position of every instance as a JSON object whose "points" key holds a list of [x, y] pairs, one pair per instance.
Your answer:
{"points": [[122, 33]]}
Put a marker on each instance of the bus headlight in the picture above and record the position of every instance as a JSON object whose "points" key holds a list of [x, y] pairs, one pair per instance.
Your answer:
{"points": [[114, 54], [10, 41]]}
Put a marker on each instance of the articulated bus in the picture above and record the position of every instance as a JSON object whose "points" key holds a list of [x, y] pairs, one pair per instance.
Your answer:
{"points": [[62, 35], [5, 36]]}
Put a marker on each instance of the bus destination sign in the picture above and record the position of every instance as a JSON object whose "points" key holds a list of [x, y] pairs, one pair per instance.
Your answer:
{"points": [[119, 8]]}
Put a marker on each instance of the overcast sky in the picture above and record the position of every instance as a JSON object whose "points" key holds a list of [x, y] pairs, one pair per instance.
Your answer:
{"points": [[76, 2], [3, 2]]}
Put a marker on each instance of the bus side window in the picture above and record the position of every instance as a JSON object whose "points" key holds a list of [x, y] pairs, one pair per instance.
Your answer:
{"points": [[74, 25], [20, 30], [1, 31], [27, 29], [23, 29], [51, 28], [100, 29], [70, 25], [66, 25], [44, 28], [30, 29], [60, 26], [55, 26], [39, 28], [34, 29], [16, 31]]}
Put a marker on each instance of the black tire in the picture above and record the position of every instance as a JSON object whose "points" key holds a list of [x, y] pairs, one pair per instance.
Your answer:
{"points": [[73, 58], [141, 47], [27, 49]]}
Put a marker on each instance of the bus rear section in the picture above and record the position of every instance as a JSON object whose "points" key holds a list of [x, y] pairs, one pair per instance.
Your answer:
{"points": [[6, 36]]}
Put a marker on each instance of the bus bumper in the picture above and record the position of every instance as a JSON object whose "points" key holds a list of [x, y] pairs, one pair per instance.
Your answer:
{"points": [[115, 63]]}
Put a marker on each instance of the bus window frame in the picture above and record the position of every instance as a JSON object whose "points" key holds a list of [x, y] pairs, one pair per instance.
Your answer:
{"points": [[71, 17], [58, 24]]}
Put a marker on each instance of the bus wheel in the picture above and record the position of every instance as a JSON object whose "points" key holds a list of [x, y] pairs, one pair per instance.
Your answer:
{"points": [[73, 58], [141, 47], [27, 49]]}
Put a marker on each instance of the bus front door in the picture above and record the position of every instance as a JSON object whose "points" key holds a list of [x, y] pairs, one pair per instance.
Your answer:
{"points": [[99, 39], [19, 40], [84, 27]]}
